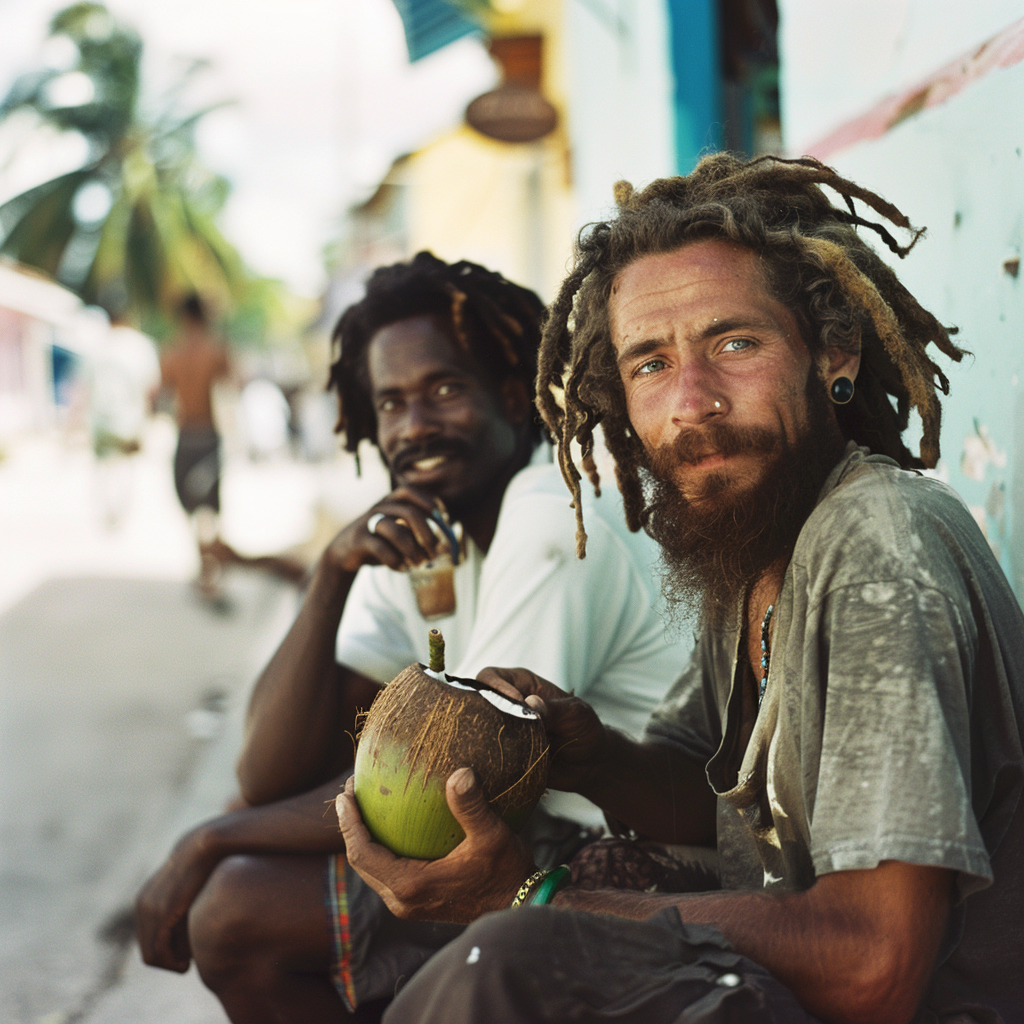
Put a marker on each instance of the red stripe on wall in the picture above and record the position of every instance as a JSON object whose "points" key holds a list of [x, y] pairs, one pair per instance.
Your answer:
{"points": [[1001, 51]]}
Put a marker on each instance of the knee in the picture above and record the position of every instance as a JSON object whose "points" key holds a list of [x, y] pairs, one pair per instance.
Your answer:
{"points": [[225, 926]]}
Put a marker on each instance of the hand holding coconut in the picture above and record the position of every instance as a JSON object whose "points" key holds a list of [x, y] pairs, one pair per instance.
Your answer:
{"points": [[481, 874], [417, 797]]}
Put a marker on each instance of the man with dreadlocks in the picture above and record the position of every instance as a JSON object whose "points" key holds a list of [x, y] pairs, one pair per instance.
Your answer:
{"points": [[436, 365], [849, 731]]}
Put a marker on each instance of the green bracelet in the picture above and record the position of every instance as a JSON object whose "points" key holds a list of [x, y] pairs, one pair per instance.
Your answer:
{"points": [[553, 881]]}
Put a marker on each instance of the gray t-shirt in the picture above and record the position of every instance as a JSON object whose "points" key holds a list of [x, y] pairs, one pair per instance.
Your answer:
{"points": [[892, 725]]}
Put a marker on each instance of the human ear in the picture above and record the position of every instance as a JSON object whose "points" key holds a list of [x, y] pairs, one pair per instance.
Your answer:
{"points": [[837, 362]]}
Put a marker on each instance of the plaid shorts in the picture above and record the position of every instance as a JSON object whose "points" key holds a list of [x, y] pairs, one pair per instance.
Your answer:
{"points": [[375, 953]]}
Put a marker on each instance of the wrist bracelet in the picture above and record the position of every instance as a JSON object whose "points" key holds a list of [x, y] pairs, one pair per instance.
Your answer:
{"points": [[552, 882], [527, 887]]}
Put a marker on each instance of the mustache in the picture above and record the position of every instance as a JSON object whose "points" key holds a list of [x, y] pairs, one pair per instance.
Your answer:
{"points": [[448, 448], [691, 446]]}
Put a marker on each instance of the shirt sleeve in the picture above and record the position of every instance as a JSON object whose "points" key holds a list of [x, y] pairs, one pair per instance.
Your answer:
{"points": [[894, 767], [373, 638]]}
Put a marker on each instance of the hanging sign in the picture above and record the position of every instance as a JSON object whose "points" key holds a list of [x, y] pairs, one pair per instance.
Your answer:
{"points": [[512, 113]]}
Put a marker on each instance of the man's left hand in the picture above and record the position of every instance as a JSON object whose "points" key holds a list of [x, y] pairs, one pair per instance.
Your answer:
{"points": [[481, 874]]}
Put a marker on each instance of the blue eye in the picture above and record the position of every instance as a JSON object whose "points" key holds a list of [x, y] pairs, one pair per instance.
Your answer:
{"points": [[737, 344], [651, 366]]}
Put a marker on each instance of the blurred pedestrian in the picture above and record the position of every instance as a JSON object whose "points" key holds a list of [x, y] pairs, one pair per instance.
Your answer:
{"points": [[123, 377], [194, 362]]}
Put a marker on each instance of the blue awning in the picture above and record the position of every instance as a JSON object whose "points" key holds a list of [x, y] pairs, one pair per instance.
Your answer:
{"points": [[431, 24]]}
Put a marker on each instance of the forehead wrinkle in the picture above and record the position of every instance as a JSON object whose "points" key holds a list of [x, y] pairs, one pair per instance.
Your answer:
{"points": [[650, 311]]}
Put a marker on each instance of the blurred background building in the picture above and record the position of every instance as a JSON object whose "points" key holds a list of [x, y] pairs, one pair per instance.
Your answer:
{"points": [[918, 101], [517, 118]]}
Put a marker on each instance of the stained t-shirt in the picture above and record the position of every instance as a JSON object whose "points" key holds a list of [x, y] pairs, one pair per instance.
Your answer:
{"points": [[891, 727], [593, 626]]}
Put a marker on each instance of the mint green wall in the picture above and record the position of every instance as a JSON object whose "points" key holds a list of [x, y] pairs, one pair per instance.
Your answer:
{"points": [[958, 169]]}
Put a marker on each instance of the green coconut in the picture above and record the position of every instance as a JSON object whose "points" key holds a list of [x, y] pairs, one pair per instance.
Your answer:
{"points": [[420, 728]]}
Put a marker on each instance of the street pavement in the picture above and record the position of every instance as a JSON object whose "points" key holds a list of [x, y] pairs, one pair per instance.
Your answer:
{"points": [[121, 698], [121, 710]]}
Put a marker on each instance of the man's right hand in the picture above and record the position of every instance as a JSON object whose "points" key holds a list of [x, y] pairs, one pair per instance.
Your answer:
{"points": [[162, 906], [577, 737], [402, 538]]}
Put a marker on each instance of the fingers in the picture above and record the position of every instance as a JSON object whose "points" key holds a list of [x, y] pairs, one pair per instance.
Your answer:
{"points": [[180, 948], [350, 821], [518, 683], [538, 705], [401, 534], [406, 526], [366, 856], [507, 681], [466, 801], [163, 942]]}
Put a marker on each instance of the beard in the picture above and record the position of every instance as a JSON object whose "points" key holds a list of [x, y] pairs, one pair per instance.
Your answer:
{"points": [[718, 541]]}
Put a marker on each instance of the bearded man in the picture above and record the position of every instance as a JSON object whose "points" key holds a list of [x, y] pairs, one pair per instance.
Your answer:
{"points": [[849, 730]]}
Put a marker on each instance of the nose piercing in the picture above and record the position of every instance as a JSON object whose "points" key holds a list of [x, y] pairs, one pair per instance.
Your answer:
{"points": [[718, 404]]}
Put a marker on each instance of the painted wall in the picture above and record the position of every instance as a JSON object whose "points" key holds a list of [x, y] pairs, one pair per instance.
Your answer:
{"points": [[841, 57], [948, 149], [697, 99], [620, 92], [464, 196], [508, 207]]}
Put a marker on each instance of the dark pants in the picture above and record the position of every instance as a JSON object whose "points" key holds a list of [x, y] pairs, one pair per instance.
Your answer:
{"points": [[546, 965], [197, 468]]}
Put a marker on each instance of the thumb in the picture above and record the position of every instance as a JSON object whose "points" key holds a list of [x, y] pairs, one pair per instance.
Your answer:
{"points": [[467, 802]]}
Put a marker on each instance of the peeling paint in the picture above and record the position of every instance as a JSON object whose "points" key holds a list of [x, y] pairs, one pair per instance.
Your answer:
{"points": [[978, 452]]}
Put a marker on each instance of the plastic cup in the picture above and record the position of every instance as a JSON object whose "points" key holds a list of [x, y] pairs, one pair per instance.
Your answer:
{"points": [[433, 583]]}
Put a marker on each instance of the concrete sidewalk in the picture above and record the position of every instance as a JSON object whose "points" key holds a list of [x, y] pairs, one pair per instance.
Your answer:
{"points": [[120, 718]]}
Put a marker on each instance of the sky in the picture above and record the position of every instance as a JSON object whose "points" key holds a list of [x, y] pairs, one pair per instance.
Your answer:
{"points": [[324, 98]]}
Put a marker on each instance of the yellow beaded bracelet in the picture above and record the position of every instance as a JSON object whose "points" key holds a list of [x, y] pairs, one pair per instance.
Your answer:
{"points": [[527, 887]]}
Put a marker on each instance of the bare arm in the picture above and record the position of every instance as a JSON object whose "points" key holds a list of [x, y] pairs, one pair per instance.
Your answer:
{"points": [[303, 824], [858, 946], [653, 788], [304, 702], [294, 724]]}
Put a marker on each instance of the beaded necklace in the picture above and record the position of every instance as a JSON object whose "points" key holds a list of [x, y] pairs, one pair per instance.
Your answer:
{"points": [[766, 653]]}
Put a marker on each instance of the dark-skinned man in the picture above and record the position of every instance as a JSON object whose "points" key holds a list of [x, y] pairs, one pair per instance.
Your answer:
{"points": [[436, 365], [849, 729]]}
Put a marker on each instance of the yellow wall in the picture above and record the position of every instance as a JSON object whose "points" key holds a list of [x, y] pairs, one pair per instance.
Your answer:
{"points": [[507, 206]]}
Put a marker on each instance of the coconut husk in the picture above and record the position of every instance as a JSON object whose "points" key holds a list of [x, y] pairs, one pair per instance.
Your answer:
{"points": [[418, 731]]}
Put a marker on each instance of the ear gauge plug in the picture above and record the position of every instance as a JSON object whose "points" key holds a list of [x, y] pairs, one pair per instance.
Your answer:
{"points": [[841, 391]]}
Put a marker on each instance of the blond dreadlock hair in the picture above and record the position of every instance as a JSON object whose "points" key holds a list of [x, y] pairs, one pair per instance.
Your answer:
{"points": [[815, 263]]}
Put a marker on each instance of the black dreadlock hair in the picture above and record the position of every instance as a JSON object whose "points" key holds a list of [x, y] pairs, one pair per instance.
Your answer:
{"points": [[814, 263], [491, 318]]}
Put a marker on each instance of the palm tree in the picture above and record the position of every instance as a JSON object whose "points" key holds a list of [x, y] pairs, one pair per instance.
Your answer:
{"points": [[138, 217]]}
